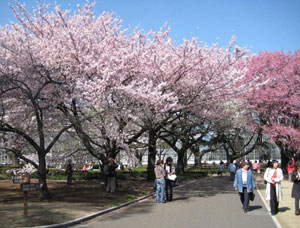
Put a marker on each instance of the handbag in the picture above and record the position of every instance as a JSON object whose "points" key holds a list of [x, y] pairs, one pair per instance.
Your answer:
{"points": [[251, 196]]}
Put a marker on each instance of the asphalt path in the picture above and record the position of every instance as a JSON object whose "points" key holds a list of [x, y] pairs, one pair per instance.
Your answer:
{"points": [[209, 202]]}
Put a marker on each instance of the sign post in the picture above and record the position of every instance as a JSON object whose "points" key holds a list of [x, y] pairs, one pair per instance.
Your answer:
{"points": [[25, 186], [25, 204]]}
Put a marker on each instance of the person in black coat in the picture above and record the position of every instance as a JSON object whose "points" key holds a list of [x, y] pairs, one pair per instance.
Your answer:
{"points": [[296, 186], [111, 173], [69, 172], [170, 171]]}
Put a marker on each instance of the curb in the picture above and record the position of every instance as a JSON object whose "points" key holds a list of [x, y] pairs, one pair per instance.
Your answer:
{"points": [[88, 217], [275, 220]]}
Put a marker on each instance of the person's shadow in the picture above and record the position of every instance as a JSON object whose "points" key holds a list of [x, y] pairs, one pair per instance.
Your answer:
{"points": [[283, 209], [253, 208]]}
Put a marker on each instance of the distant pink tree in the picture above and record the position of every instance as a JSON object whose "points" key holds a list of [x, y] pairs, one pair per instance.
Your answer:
{"points": [[275, 98]]}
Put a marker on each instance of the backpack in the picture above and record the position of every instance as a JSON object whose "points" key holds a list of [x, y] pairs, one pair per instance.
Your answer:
{"points": [[106, 170]]}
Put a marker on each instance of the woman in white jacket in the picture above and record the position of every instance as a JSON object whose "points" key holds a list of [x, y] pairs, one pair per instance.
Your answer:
{"points": [[273, 176]]}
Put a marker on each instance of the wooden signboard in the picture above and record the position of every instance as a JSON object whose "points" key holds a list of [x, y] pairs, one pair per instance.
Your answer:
{"points": [[29, 187], [21, 179], [26, 187]]}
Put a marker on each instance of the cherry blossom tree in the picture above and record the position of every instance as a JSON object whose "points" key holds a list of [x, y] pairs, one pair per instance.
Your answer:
{"points": [[202, 80], [55, 67], [60, 71], [43, 65], [275, 98]]}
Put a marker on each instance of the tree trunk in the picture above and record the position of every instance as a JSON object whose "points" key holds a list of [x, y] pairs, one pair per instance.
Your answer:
{"points": [[42, 175], [284, 161], [185, 159], [230, 158], [200, 160], [285, 154], [151, 155], [112, 150], [180, 162], [197, 161]]}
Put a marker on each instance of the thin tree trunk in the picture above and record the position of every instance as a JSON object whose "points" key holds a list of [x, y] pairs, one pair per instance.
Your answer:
{"points": [[151, 155], [42, 173], [197, 160], [180, 162]]}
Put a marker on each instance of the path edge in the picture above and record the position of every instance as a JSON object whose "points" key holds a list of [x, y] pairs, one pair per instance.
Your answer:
{"points": [[275, 220]]}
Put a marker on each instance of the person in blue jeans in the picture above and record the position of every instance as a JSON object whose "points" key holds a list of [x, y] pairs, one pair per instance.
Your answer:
{"points": [[160, 174], [244, 183]]}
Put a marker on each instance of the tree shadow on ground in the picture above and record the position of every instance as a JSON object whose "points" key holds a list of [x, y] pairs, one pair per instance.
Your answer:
{"points": [[69, 201]]}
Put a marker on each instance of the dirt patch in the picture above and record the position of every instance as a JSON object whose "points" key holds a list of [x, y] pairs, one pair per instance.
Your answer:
{"points": [[69, 201]]}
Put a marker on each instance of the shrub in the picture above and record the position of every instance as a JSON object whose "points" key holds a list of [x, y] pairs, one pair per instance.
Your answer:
{"points": [[4, 168]]}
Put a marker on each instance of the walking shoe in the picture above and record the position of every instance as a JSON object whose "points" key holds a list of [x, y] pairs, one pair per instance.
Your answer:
{"points": [[297, 213]]}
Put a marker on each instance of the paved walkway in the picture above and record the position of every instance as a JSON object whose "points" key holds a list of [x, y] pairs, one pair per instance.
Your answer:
{"points": [[209, 202]]}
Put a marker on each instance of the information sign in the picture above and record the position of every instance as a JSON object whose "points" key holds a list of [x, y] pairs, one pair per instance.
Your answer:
{"points": [[21, 179]]}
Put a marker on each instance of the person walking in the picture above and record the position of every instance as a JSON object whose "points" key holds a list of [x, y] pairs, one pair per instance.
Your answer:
{"points": [[221, 168], [110, 172], [69, 172], [291, 168], [232, 170], [261, 167], [273, 176], [244, 183], [250, 164], [160, 174], [255, 167], [296, 187], [269, 163], [170, 178]]}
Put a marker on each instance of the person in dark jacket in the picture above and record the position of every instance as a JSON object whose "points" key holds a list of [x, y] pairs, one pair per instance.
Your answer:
{"points": [[296, 187], [110, 172], [170, 178], [69, 172]]}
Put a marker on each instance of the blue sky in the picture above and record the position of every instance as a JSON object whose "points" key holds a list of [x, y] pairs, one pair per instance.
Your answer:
{"points": [[258, 24]]}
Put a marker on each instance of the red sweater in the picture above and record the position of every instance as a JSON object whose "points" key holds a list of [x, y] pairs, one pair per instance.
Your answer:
{"points": [[291, 169]]}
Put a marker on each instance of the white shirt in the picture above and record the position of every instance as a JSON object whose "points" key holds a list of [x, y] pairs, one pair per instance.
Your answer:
{"points": [[244, 176]]}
